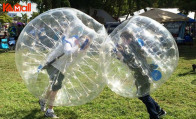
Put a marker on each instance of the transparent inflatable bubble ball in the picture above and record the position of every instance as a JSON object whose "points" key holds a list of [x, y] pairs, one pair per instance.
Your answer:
{"points": [[58, 56], [140, 54]]}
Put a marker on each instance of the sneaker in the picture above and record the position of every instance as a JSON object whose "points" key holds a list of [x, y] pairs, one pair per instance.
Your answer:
{"points": [[162, 113], [42, 104], [50, 114]]}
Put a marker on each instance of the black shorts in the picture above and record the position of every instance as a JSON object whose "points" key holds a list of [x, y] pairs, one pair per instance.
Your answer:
{"points": [[56, 77]]}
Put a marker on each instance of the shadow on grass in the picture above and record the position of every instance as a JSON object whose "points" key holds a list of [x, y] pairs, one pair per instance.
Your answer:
{"points": [[37, 114], [32, 115], [187, 73], [6, 51], [193, 82], [21, 114], [66, 114], [3, 51], [188, 52]]}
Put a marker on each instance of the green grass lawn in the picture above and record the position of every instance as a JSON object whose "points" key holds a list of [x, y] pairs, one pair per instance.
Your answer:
{"points": [[177, 96]]}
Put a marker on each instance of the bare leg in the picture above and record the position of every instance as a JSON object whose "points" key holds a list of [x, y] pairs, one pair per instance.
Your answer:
{"points": [[50, 111], [51, 97]]}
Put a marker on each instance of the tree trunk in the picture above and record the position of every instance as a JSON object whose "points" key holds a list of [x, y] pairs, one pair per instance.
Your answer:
{"points": [[194, 27], [130, 11], [119, 8]]}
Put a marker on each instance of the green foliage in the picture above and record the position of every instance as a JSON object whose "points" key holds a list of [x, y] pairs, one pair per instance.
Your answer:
{"points": [[35, 14], [24, 18], [12, 2], [17, 18], [187, 5], [176, 96], [167, 3], [184, 5], [86, 4], [115, 8], [4, 18], [44, 5], [135, 5]]}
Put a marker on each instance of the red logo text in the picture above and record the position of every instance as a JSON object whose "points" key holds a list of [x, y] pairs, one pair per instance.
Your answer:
{"points": [[17, 8]]}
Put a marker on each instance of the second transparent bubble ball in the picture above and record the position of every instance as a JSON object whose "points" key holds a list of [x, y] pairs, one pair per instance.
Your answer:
{"points": [[140, 55]]}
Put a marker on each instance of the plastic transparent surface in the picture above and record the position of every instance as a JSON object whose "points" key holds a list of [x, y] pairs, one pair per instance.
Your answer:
{"points": [[42, 41], [140, 55]]}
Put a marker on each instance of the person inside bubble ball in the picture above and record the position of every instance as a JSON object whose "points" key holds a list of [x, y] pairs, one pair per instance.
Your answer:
{"points": [[125, 52], [56, 63]]}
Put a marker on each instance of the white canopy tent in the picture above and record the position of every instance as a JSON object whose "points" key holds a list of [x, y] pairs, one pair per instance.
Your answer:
{"points": [[164, 16]]}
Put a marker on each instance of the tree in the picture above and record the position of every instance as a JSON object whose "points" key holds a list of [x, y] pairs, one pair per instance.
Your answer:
{"points": [[12, 2], [135, 5], [35, 14], [44, 5], [17, 18], [24, 18], [116, 8], [4, 18], [186, 6], [85, 5], [168, 3]]}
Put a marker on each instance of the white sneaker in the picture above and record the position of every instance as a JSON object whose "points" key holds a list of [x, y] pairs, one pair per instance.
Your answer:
{"points": [[50, 114]]}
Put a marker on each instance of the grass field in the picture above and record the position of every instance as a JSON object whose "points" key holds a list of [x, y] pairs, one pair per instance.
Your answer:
{"points": [[177, 96]]}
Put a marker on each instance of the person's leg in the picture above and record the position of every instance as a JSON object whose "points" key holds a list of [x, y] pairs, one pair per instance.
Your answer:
{"points": [[143, 88], [142, 83], [151, 106], [50, 112], [158, 109], [56, 85], [44, 98], [52, 97]]}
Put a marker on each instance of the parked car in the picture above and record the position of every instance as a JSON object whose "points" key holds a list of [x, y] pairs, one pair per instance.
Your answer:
{"points": [[110, 26]]}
